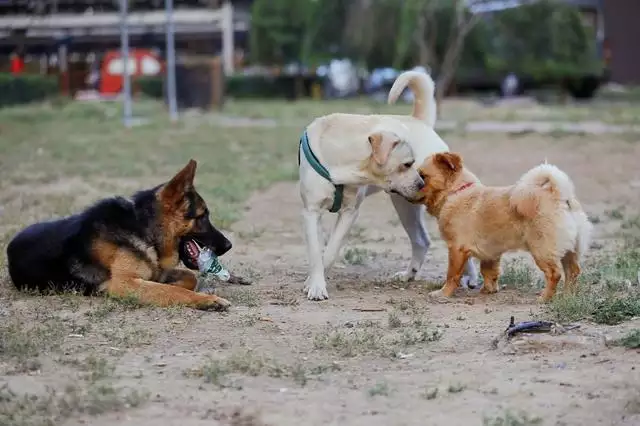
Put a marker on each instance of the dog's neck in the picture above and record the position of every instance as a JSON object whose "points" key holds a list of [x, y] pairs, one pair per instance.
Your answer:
{"points": [[464, 182]]}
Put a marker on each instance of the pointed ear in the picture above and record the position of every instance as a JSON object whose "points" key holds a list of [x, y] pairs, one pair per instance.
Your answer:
{"points": [[381, 147], [181, 182], [449, 161]]}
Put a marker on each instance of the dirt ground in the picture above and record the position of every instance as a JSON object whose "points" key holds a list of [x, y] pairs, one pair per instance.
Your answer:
{"points": [[377, 352]]}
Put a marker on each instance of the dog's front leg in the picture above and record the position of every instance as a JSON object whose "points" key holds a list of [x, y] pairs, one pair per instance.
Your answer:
{"points": [[412, 217], [315, 286]]}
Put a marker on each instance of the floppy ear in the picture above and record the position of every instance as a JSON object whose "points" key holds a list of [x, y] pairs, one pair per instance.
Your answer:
{"points": [[381, 148], [182, 182], [449, 161]]}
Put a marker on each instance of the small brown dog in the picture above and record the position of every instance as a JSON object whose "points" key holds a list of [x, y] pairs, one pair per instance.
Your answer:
{"points": [[540, 214]]}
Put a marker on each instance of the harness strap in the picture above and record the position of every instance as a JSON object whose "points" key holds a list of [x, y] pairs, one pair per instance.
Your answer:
{"points": [[321, 170]]}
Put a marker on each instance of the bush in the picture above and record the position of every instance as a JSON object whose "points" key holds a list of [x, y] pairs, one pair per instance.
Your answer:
{"points": [[152, 87], [241, 86], [22, 89]]}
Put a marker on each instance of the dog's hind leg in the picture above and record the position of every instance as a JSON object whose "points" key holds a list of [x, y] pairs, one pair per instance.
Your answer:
{"points": [[552, 276], [412, 217], [162, 295], [571, 271], [346, 218]]}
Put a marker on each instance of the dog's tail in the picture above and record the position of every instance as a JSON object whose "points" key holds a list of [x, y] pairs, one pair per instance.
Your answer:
{"points": [[421, 84], [541, 184]]}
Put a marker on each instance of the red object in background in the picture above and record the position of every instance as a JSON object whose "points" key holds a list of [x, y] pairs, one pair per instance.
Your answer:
{"points": [[17, 64], [142, 62]]}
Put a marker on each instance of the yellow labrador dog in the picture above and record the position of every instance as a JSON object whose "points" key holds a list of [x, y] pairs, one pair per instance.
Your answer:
{"points": [[346, 157]]}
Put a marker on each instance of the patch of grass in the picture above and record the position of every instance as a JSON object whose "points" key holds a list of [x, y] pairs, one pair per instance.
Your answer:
{"points": [[631, 223], [379, 389], [251, 234], [631, 340], [615, 214], [370, 337], [240, 296], [519, 275], [394, 320], [283, 297], [512, 419], [606, 294], [357, 256], [27, 339], [56, 405], [429, 394], [250, 363], [123, 335], [456, 388]]}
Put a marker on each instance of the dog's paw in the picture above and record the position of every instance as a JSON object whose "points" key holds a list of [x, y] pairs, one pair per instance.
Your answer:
{"points": [[213, 303], [436, 293], [405, 276], [316, 291], [469, 282]]}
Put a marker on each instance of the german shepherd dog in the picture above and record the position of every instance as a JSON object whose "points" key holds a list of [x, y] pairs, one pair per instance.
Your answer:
{"points": [[126, 248]]}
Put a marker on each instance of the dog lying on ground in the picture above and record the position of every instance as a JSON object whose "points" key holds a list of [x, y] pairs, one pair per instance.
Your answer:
{"points": [[540, 214], [346, 157], [126, 248]]}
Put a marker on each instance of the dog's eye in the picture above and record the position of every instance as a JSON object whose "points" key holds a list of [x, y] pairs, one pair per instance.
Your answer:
{"points": [[409, 164]]}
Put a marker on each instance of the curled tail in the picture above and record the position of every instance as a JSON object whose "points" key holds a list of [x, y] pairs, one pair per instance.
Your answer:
{"points": [[421, 84], [544, 182]]}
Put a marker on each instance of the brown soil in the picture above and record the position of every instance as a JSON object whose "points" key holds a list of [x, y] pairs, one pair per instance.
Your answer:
{"points": [[457, 379]]}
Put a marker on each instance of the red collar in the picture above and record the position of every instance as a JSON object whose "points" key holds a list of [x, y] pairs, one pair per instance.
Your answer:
{"points": [[461, 188]]}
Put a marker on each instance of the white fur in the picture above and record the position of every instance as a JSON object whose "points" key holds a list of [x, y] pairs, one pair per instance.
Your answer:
{"points": [[340, 143]]}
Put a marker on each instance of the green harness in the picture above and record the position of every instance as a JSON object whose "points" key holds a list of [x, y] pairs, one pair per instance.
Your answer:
{"points": [[321, 170]]}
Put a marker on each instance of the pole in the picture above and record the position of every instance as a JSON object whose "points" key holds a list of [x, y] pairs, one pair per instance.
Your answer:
{"points": [[171, 61], [227, 37], [124, 57]]}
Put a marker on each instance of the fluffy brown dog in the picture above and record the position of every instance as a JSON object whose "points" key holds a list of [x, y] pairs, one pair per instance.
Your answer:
{"points": [[540, 214]]}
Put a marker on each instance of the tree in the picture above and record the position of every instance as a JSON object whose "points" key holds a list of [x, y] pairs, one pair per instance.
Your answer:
{"points": [[437, 29]]}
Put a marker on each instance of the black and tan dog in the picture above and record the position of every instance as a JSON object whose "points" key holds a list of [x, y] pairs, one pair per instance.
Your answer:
{"points": [[126, 248]]}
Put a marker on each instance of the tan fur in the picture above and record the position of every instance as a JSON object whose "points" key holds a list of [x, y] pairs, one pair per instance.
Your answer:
{"points": [[539, 214]]}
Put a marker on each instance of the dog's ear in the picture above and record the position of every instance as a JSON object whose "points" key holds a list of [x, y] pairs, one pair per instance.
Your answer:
{"points": [[449, 161], [181, 183], [381, 147]]}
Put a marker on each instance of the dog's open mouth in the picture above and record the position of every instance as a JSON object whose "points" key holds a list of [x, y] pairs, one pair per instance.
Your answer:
{"points": [[188, 252], [192, 249]]}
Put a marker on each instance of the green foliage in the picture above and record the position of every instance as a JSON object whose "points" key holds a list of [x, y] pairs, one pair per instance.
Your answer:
{"points": [[545, 40], [152, 87], [23, 89], [287, 30], [244, 87]]}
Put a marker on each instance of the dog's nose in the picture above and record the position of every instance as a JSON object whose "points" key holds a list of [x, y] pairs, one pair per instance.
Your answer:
{"points": [[393, 191], [226, 246], [420, 185]]}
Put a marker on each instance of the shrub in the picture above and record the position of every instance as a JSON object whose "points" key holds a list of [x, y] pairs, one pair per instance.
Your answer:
{"points": [[22, 89]]}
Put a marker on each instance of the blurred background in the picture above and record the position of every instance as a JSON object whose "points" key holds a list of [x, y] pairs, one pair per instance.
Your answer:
{"points": [[322, 48]]}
